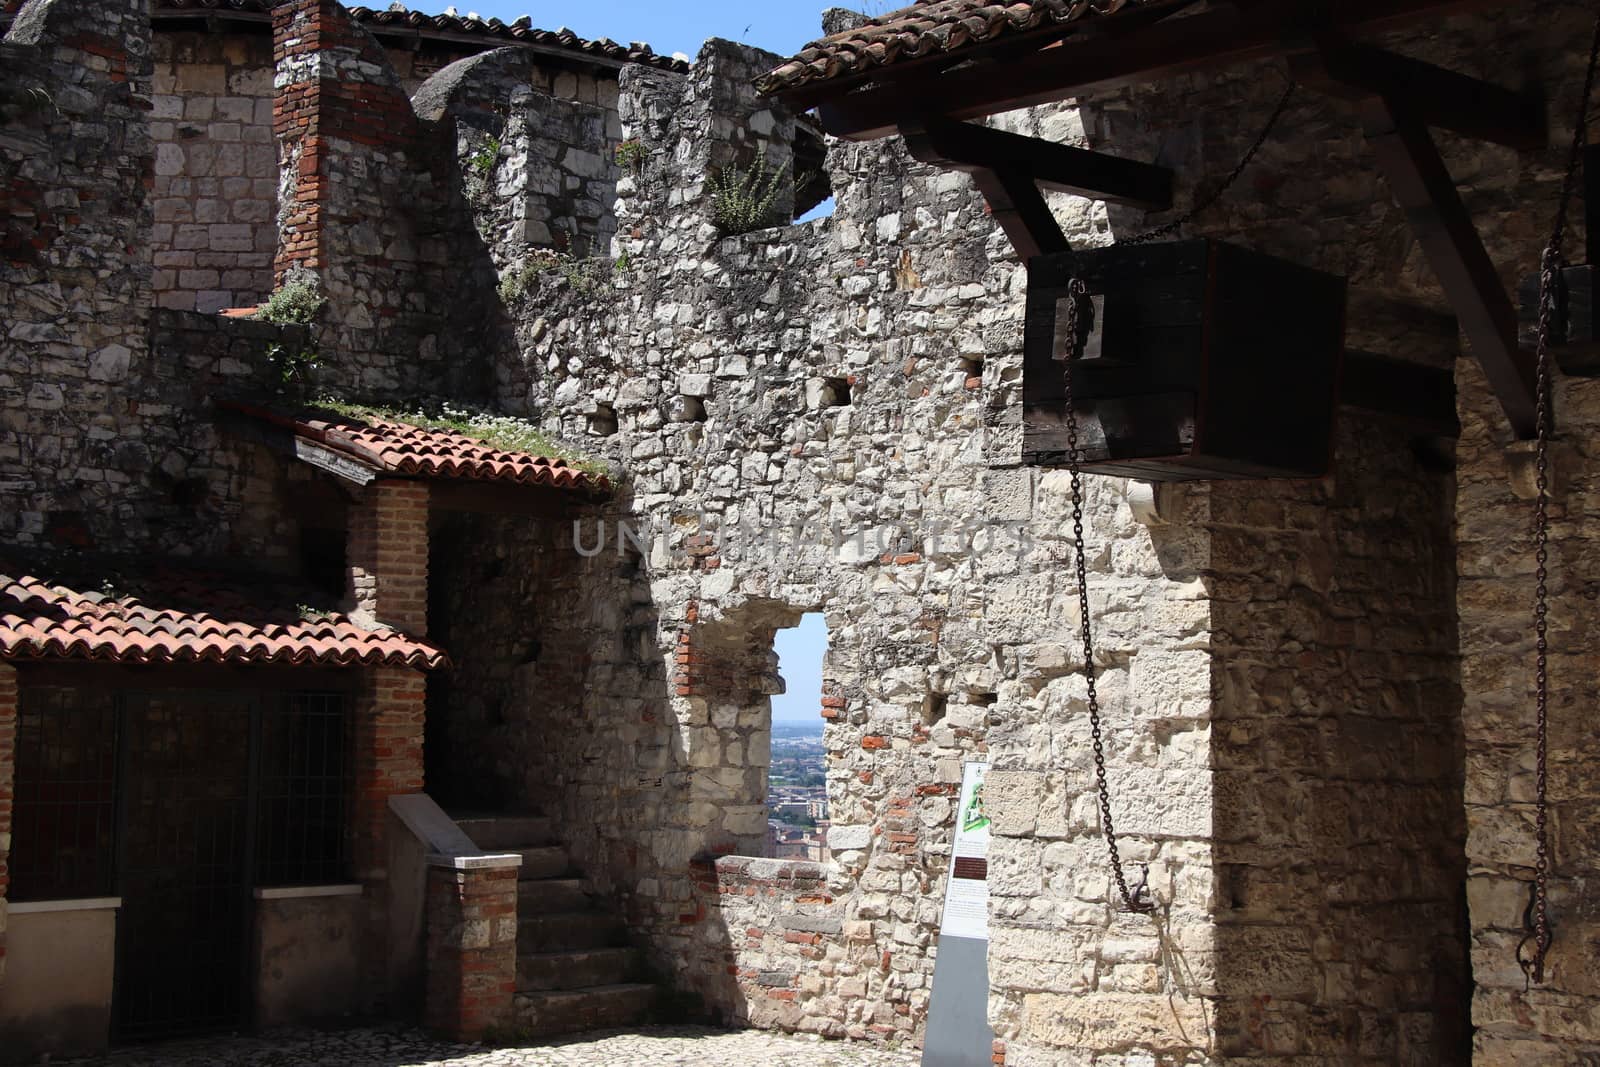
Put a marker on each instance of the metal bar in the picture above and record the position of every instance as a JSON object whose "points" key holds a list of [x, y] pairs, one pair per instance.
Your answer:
{"points": [[1591, 205]]}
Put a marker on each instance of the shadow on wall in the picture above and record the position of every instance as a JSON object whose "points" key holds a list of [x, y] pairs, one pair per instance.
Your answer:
{"points": [[1335, 739], [1337, 752]]}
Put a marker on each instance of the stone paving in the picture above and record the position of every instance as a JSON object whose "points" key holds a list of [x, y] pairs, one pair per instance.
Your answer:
{"points": [[651, 1046]]}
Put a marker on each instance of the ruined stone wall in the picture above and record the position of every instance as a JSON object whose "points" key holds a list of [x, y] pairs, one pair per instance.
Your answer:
{"points": [[216, 171], [807, 418], [537, 171], [107, 443], [729, 378]]}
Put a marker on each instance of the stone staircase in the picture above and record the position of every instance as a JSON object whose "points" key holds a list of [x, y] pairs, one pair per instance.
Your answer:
{"points": [[575, 968]]}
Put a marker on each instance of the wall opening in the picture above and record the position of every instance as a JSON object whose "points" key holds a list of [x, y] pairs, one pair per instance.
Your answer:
{"points": [[797, 784]]}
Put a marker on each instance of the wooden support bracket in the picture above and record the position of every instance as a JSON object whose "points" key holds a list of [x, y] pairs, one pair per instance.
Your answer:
{"points": [[1417, 176], [1009, 170], [1079, 171], [1434, 96], [1419, 398]]}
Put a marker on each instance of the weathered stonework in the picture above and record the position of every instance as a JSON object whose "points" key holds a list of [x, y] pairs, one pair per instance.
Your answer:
{"points": [[1318, 731], [216, 170]]}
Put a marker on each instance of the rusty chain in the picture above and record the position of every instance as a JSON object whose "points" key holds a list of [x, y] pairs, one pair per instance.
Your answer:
{"points": [[1536, 919], [1135, 899], [1201, 205]]}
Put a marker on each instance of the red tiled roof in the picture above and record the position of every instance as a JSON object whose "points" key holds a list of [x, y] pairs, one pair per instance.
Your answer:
{"points": [[390, 447], [171, 616], [933, 27], [493, 31]]}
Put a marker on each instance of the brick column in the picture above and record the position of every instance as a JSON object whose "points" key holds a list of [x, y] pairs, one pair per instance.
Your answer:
{"points": [[336, 98], [388, 759], [8, 767], [471, 945], [388, 555]]}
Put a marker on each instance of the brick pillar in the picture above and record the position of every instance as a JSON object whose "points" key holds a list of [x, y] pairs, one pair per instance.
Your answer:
{"points": [[388, 759], [472, 945], [337, 100], [387, 561], [8, 767]]}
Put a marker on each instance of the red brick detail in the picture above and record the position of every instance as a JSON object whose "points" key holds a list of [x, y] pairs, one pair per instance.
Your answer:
{"points": [[874, 741], [471, 950], [387, 759], [999, 1053], [387, 559], [316, 115], [8, 765]]}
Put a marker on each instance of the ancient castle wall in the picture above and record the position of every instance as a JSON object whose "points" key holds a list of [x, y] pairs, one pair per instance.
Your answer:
{"points": [[1307, 750], [216, 170]]}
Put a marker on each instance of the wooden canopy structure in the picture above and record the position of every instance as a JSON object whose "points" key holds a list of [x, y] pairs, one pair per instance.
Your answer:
{"points": [[925, 71]]}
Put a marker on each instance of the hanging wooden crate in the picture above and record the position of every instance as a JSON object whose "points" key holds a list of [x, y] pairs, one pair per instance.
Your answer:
{"points": [[1204, 361]]}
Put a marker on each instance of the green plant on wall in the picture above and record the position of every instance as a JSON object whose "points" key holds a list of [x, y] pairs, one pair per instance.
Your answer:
{"points": [[745, 198], [296, 301], [631, 155], [485, 158], [294, 364]]}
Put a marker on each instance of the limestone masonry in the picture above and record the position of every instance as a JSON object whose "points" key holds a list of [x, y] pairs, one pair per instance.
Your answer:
{"points": [[1319, 729]]}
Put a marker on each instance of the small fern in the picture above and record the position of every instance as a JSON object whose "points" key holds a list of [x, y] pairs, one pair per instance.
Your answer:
{"points": [[745, 199]]}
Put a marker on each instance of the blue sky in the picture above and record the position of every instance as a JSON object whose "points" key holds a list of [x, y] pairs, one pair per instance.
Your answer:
{"points": [[783, 26], [800, 662]]}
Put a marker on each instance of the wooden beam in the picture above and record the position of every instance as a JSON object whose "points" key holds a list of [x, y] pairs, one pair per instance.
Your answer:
{"points": [[1420, 398], [1066, 68], [1019, 208], [1435, 96], [1417, 176], [966, 147]]}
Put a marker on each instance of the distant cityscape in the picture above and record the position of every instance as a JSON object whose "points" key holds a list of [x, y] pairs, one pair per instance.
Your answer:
{"points": [[797, 793]]}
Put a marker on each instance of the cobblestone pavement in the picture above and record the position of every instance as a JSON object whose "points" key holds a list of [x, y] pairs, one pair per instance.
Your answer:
{"points": [[652, 1046]]}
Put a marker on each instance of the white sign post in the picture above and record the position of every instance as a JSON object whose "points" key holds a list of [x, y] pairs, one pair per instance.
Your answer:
{"points": [[958, 1018]]}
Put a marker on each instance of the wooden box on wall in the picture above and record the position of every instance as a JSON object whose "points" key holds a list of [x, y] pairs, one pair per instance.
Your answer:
{"points": [[1204, 361]]}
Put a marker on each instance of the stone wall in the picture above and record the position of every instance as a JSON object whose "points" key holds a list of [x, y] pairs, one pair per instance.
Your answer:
{"points": [[74, 156], [538, 171], [106, 441], [216, 170]]}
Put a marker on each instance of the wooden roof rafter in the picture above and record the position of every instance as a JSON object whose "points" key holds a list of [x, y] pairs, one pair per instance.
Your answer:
{"points": [[1398, 100]]}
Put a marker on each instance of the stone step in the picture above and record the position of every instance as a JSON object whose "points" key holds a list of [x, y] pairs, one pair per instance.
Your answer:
{"points": [[509, 832], [565, 931], [535, 896], [573, 1010], [542, 971], [541, 862]]}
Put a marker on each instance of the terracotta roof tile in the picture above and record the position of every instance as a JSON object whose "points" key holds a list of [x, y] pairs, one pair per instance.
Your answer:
{"points": [[399, 448], [932, 27], [160, 614], [492, 30]]}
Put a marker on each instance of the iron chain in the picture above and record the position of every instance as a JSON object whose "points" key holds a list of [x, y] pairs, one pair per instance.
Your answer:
{"points": [[1132, 899], [1135, 899], [1203, 204], [1537, 918]]}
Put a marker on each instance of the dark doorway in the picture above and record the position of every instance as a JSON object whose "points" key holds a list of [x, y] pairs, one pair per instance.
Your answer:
{"points": [[183, 929]]}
